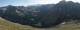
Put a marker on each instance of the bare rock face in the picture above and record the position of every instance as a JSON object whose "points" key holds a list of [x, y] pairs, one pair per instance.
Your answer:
{"points": [[41, 20], [47, 15]]}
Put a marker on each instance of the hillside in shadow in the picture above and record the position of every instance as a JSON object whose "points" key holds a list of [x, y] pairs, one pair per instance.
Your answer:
{"points": [[43, 15]]}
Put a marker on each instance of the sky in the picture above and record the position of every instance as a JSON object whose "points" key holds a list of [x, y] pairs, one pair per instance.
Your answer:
{"points": [[30, 2]]}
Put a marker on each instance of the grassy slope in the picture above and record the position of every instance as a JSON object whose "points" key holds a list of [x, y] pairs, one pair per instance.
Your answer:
{"points": [[6, 25]]}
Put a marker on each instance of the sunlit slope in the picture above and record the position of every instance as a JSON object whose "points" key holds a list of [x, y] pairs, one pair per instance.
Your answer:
{"points": [[6, 25]]}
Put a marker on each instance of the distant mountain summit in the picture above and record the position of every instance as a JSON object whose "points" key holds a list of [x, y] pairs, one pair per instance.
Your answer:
{"points": [[43, 15]]}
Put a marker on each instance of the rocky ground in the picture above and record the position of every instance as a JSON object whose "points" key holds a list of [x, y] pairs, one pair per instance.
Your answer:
{"points": [[6, 25]]}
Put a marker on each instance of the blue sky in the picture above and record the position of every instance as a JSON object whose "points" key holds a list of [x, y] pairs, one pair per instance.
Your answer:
{"points": [[13, 2], [29, 2]]}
